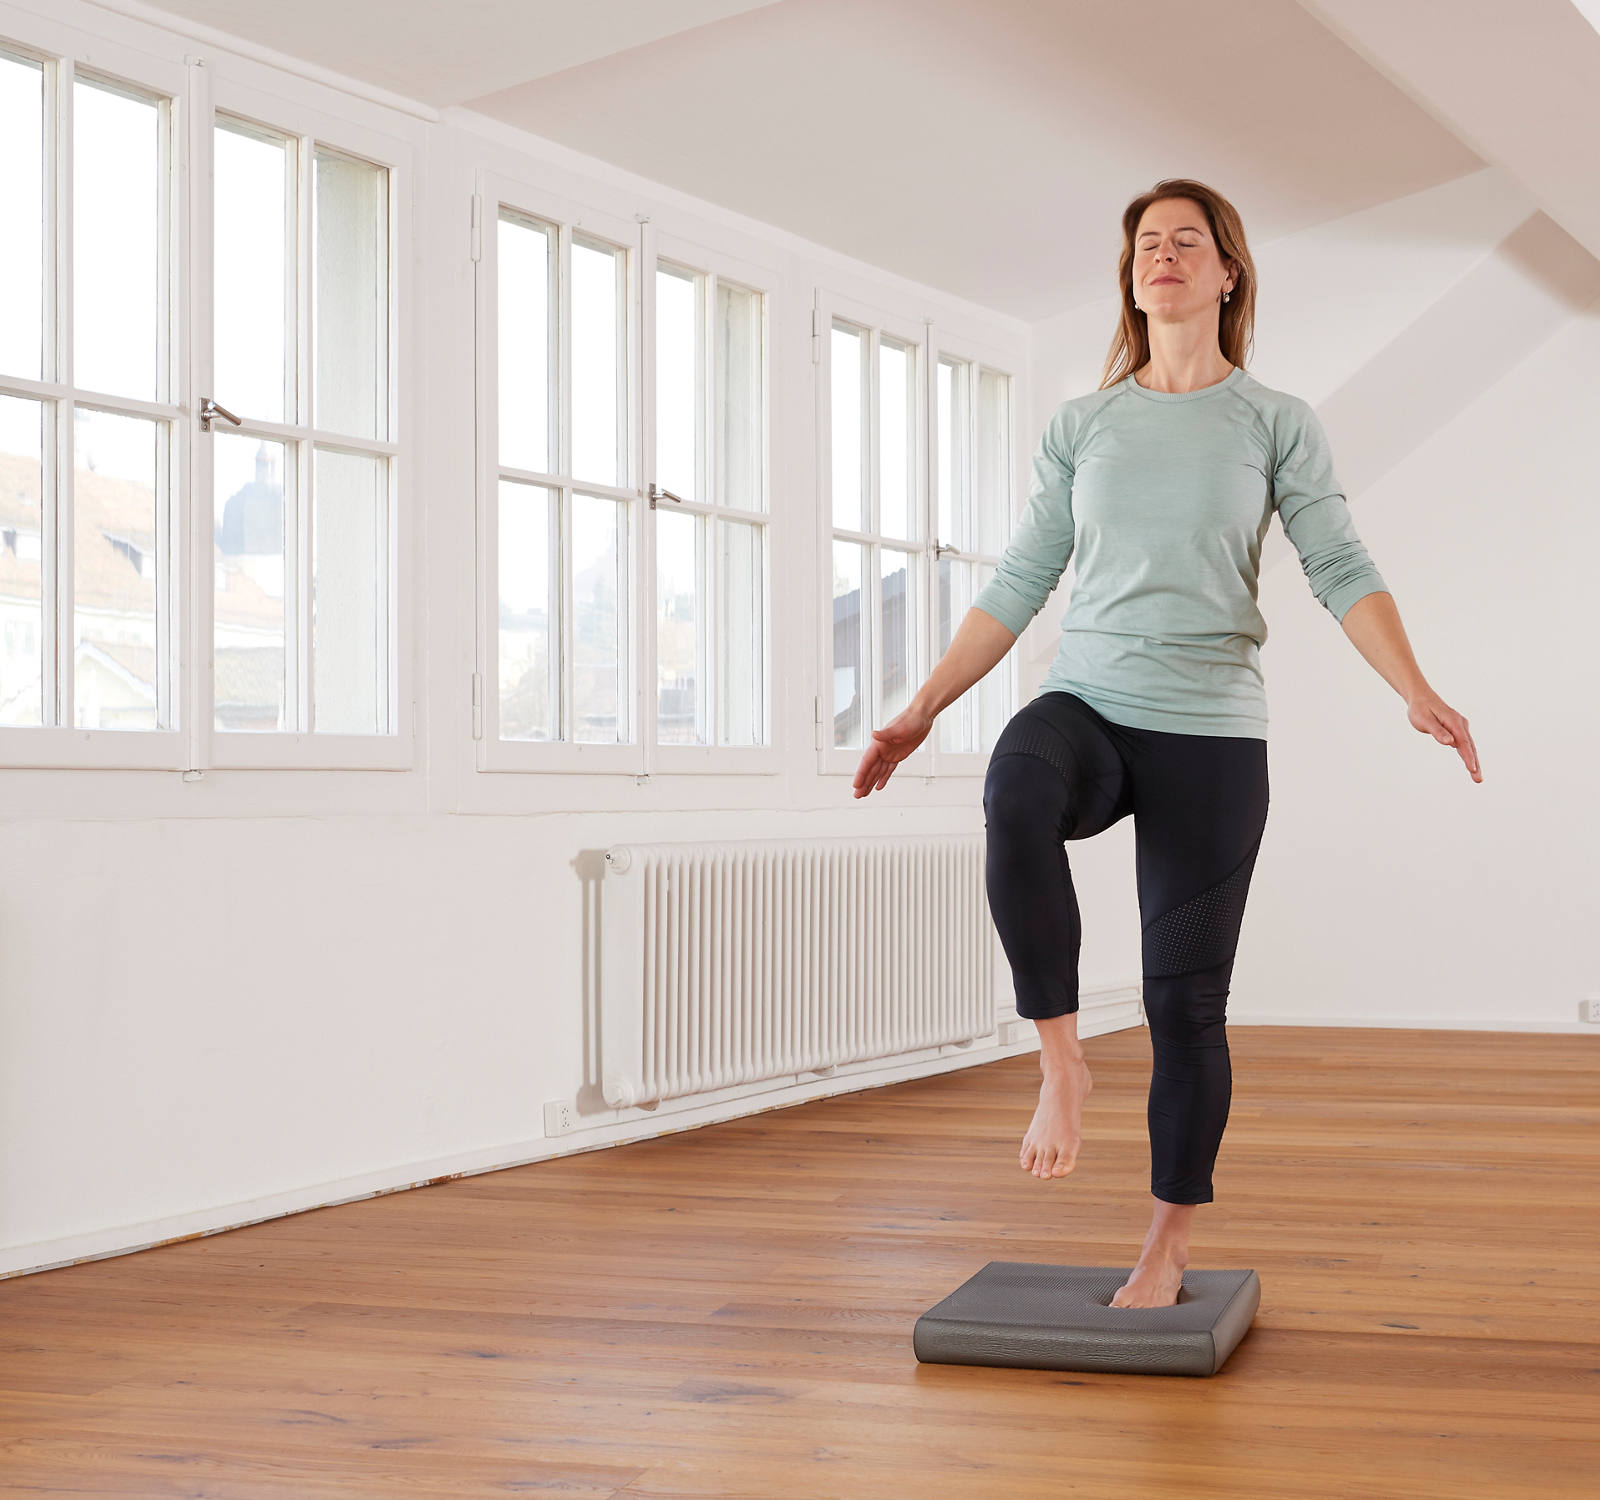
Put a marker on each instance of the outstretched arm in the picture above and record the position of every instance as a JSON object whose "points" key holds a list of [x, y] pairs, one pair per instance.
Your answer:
{"points": [[1373, 626]]}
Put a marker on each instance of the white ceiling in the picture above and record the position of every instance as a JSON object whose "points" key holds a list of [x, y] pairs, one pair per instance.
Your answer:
{"points": [[450, 54], [987, 149]]}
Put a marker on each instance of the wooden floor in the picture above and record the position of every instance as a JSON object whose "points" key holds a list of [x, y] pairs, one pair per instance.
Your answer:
{"points": [[728, 1311]]}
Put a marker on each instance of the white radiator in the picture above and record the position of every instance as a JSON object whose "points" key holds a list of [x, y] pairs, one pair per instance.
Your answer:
{"points": [[725, 963]]}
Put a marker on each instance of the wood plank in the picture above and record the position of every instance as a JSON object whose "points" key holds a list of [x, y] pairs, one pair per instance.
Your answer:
{"points": [[727, 1312]]}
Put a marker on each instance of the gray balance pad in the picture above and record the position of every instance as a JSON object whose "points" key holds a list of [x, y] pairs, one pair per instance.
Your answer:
{"points": [[1061, 1318]]}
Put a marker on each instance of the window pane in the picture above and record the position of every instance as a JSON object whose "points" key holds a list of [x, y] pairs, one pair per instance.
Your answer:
{"points": [[21, 561], [896, 605], [897, 437], [350, 235], [678, 382], [992, 688], [597, 551], [114, 559], [527, 683], [848, 646], [254, 296], [951, 608], [994, 461], [249, 544], [954, 725], [349, 594], [116, 208], [845, 373], [599, 420], [678, 626], [943, 397], [22, 245], [526, 255], [740, 633], [955, 511], [740, 408]]}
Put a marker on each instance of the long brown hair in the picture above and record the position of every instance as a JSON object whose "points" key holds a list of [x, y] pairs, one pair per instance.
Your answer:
{"points": [[1130, 345]]}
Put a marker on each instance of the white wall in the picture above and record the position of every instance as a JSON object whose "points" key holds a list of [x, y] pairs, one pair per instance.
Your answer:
{"points": [[1391, 889]]}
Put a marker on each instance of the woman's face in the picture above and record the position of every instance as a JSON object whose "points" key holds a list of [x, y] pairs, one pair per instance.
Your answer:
{"points": [[1177, 271]]}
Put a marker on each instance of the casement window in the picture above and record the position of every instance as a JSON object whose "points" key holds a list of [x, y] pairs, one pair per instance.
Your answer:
{"points": [[909, 541], [709, 416], [91, 439], [197, 419], [624, 479], [972, 508], [305, 457]]}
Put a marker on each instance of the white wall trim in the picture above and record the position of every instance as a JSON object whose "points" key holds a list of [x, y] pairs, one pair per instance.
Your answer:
{"points": [[224, 41], [1388, 1021], [1102, 1011]]}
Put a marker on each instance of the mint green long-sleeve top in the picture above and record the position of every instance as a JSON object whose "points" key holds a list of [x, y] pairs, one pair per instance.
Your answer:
{"points": [[1162, 499]]}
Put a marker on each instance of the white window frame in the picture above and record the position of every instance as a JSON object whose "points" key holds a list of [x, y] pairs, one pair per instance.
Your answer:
{"points": [[978, 357], [183, 483], [932, 341], [875, 322], [63, 745], [395, 748], [491, 190], [718, 264]]}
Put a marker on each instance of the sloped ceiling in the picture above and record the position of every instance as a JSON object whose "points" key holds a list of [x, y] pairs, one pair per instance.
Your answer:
{"points": [[988, 149], [983, 149], [1516, 80], [448, 54]]}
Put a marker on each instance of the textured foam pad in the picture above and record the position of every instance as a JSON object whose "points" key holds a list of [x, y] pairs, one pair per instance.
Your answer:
{"points": [[1061, 1318]]}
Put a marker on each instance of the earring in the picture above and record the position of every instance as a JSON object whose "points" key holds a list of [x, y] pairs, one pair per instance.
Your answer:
{"points": [[1224, 296]]}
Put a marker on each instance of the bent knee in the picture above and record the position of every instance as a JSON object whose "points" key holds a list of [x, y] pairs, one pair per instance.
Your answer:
{"points": [[1021, 793]]}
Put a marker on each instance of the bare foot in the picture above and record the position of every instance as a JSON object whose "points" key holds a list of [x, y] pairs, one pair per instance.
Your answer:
{"points": [[1154, 1282], [1050, 1148]]}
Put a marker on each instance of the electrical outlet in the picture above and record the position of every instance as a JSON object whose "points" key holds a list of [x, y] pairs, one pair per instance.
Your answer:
{"points": [[560, 1117], [1589, 1009]]}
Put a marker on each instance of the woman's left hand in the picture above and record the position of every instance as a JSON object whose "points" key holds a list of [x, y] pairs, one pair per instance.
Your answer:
{"points": [[1432, 715]]}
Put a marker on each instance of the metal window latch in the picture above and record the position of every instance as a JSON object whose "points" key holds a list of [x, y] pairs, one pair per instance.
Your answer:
{"points": [[210, 409], [657, 493], [940, 548]]}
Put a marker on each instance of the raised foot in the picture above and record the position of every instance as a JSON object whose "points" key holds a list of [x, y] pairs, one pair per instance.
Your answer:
{"points": [[1050, 1147], [1154, 1282]]}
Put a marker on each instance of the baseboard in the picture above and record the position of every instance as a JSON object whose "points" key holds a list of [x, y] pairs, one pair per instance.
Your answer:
{"points": [[1107, 1009], [1392, 1022]]}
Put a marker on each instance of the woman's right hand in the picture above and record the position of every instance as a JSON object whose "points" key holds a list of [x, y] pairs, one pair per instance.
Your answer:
{"points": [[890, 745]]}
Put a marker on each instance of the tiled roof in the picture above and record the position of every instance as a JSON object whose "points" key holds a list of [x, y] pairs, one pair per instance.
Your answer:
{"points": [[104, 575]]}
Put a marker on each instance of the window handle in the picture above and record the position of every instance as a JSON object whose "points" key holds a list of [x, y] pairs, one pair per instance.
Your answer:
{"points": [[940, 548], [656, 492], [210, 409]]}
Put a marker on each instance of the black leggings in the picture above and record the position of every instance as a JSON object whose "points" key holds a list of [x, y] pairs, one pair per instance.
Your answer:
{"points": [[1060, 771]]}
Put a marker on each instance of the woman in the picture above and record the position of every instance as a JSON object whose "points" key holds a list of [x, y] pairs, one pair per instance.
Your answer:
{"points": [[1163, 481]]}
